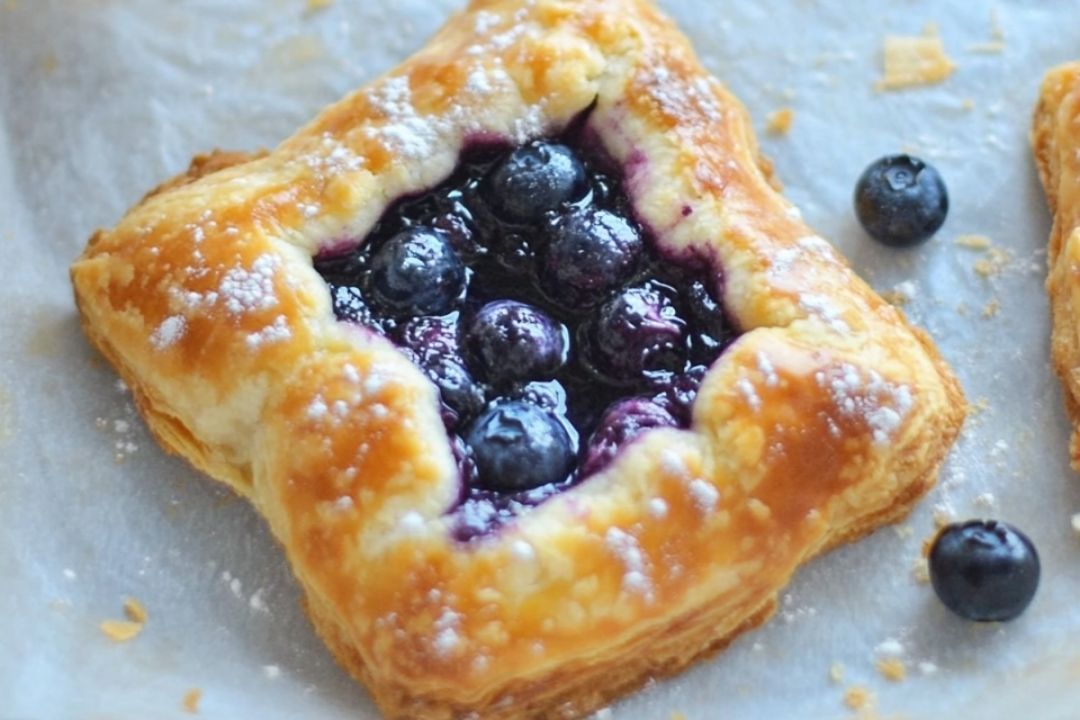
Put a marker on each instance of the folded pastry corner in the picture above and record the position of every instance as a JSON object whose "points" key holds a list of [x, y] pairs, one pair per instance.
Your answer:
{"points": [[543, 387]]}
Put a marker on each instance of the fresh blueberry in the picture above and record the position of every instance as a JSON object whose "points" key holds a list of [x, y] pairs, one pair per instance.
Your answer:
{"points": [[984, 570], [417, 272], [432, 343], [620, 424], [901, 201], [517, 446], [534, 180], [509, 341], [589, 254], [636, 335]]}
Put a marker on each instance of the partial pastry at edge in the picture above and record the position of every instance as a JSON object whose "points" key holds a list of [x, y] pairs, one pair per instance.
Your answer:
{"points": [[825, 417], [1055, 140]]}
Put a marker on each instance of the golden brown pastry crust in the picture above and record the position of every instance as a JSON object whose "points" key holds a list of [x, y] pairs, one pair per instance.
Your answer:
{"points": [[1055, 139], [826, 418]]}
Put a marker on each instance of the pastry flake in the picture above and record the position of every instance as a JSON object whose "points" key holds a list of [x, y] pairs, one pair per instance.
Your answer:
{"points": [[827, 417], [911, 61]]}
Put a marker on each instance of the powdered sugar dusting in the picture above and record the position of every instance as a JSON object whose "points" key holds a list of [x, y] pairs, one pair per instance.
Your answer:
{"points": [[447, 639], [823, 307], [704, 494], [626, 548], [408, 133], [766, 368], [168, 332], [278, 331], [749, 393], [485, 22], [246, 290], [677, 98], [880, 404]]}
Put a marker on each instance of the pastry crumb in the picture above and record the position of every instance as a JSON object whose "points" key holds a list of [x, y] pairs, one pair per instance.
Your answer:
{"points": [[902, 294], [920, 570], [892, 669], [677, 716], [779, 122], [974, 242], [993, 264], [836, 673], [967, 104], [125, 630], [135, 611], [911, 61], [992, 309], [120, 630], [1076, 524], [190, 703], [943, 515], [317, 5], [858, 697]]}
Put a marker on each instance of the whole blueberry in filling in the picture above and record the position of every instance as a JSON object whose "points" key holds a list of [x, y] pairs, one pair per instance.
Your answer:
{"points": [[432, 343], [511, 341], [518, 446], [622, 422], [417, 273], [636, 335], [534, 180], [553, 328], [590, 252]]}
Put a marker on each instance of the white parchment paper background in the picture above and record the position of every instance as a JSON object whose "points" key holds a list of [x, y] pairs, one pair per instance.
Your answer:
{"points": [[101, 99]]}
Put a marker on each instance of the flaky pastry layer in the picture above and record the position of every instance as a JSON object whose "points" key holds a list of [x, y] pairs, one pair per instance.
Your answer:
{"points": [[1055, 138], [827, 417]]}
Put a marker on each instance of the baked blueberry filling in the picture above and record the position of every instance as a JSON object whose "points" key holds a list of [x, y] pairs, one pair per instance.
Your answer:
{"points": [[544, 313]]}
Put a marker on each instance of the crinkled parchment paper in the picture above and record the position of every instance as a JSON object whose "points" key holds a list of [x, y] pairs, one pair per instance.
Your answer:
{"points": [[101, 99]]}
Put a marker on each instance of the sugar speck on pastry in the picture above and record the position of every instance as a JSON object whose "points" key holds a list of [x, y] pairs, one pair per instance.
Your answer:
{"points": [[168, 332]]}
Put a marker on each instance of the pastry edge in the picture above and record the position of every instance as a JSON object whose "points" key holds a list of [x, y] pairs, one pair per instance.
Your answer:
{"points": [[1059, 84]]}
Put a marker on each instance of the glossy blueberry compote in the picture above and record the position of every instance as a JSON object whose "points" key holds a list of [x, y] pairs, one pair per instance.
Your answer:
{"points": [[543, 312]]}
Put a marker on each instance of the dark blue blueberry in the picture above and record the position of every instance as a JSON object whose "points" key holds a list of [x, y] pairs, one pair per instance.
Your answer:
{"points": [[620, 424], [984, 570], [509, 341], [533, 181], [711, 332], [589, 254], [901, 201], [432, 343], [637, 335], [517, 446], [417, 272]]}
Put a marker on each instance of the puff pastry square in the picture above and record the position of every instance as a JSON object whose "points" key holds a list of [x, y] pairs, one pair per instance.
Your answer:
{"points": [[1056, 140], [827, 417]]}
